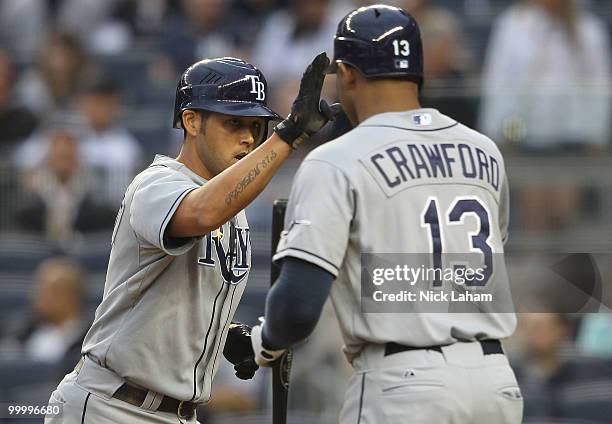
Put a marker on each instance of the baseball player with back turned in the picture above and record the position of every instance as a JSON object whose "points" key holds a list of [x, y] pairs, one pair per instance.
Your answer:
{"points": [[180, 254], [374, 189]]}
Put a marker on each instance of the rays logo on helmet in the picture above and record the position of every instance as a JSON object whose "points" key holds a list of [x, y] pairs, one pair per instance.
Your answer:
{"points": [[257, 87], [223, 85]]}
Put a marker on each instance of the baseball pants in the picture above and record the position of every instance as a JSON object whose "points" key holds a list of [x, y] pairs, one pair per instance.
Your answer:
{"points": [[88, 399], [461, 385]]}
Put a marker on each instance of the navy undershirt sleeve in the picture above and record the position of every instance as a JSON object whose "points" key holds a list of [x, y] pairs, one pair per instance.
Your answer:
{"points": [[295, 302]]}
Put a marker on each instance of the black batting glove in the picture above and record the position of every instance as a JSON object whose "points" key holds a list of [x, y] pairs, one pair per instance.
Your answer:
{"points": [[239, 352], [309, 113]]}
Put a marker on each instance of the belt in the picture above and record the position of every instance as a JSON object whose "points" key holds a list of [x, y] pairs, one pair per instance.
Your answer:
{"points": [[136, 396], [489, 347]]}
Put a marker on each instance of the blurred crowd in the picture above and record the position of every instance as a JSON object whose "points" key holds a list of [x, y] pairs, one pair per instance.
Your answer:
{"points": [[86, 97], [536, 79]]}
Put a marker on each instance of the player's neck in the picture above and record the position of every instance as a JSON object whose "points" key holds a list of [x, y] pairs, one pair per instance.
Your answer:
{"points": [[189, 157], [386, 96]]}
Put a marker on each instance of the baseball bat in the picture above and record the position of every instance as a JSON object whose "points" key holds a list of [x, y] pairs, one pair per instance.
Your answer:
{"points": [[281, 369]]}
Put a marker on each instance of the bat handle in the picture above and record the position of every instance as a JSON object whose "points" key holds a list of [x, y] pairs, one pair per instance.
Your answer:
{"points": [[281, 370]]}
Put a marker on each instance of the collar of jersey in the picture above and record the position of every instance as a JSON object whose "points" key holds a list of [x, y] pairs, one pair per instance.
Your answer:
{"points": [[178, 166], [404, 120]]}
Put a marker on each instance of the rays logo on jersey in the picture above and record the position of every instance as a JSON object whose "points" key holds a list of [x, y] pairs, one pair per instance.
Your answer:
{"points": [[236, 271]]}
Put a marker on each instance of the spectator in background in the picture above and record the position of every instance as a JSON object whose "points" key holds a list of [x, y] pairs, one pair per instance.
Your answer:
{"points": [[202, 30], [55, 327], [251, 15], [81, 18], [448, 63], [446, 58], [546, 89], [144, 17], [258, 8], [51, 86], [555, 381], [62, 199], [107, 147], [16, 123], [289, 37], [24, 24], [546, 77], [542, 335]]}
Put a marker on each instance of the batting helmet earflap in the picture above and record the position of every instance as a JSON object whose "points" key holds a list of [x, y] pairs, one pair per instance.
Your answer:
{"points": [[224, 85], [381, 42]]}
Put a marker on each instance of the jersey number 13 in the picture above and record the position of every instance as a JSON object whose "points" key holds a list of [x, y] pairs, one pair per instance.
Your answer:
{"points": [[478, 240]]}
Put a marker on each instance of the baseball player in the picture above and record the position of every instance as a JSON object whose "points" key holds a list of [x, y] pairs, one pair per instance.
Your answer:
{"points": [[181, 255], [376, 189]]}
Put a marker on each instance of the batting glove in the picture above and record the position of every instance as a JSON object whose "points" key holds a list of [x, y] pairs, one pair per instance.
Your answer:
{"points": [[309, 113], [239, 352], [264, 357]]}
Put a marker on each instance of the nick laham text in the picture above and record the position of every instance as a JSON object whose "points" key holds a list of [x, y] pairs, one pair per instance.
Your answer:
{"points": [[431, 296]]}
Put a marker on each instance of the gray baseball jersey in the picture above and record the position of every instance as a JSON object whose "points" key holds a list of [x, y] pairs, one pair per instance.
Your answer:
{"points": [[167, 302], [402, 182]]}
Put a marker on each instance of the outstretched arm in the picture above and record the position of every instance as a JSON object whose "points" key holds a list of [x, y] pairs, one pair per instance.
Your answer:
{"points": [[213, 204], [295, 302]]}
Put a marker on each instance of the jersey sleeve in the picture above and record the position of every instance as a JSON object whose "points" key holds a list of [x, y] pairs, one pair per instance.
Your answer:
{"points": [[318, 217], [155, 200], [504, 210]]}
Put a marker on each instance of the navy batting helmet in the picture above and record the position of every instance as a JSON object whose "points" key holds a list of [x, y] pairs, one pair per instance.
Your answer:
{"points": [[380, 41], [225, 85]]}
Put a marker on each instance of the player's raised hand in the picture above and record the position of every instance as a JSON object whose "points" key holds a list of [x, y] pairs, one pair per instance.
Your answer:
{"points": [[309, 113]]}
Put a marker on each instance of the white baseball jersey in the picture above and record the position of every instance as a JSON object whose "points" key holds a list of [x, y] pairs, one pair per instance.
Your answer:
{"points": [[167, 302], [406, 182]]}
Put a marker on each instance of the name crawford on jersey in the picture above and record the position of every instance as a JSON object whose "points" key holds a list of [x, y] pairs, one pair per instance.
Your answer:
{"points": [[400, 163]]}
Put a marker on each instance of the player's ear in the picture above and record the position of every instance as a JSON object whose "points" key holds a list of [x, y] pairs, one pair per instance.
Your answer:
{"points": [[347, 75], [191, 122]]}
